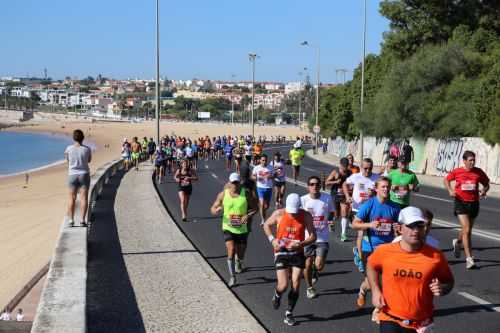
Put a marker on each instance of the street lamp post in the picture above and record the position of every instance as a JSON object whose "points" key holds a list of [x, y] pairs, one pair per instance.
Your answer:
{"points": [[157, 111], [252, 57], [318, 54], [362, 98]]}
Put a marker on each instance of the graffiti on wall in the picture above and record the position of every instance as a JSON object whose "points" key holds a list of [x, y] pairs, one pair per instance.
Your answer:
{"points": [[448, 155]]}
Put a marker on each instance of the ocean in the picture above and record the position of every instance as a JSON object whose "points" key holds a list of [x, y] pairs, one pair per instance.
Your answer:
{"points": [[26, 151]]}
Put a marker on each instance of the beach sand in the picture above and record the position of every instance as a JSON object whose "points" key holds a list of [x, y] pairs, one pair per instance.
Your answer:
{"points": [[30, 217]]}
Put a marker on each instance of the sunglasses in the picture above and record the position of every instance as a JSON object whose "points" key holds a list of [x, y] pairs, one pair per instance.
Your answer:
{"points": [[314, 184], [417, 225]]}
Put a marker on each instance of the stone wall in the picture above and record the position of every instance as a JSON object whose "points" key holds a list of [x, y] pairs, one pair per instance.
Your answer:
{"points": [[432, 157]]}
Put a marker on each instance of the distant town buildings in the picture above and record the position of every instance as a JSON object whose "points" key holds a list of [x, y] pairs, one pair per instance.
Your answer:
{"points": [[111, 97]]}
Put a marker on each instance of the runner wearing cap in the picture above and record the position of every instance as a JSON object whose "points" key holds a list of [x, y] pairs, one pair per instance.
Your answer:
{"points": [[466, 207], [296, 156], [320, 206], [405, 277], [237, 207], [376, 218], [291, 225]]}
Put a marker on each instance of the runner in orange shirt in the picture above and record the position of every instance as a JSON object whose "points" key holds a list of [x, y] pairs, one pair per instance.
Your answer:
{"points": [[412, 273]]}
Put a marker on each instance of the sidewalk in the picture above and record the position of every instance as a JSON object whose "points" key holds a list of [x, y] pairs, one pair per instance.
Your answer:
{"points": [[145, 276], [426, 180]]}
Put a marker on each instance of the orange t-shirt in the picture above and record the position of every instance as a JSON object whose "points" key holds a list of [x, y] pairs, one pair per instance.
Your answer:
{"points": [[406, 277], [291, 229]]}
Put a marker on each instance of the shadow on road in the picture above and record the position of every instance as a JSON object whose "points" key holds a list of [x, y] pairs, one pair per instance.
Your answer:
{"points": [[111, 301]]}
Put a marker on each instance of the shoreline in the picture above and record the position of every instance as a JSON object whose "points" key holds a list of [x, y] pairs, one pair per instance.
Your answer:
{"points": [[92, 145]]}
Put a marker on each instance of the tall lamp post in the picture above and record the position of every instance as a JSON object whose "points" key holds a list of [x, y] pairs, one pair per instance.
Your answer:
{"points": [[252, 57], [318, 54], [157, 111], [362, 98]]}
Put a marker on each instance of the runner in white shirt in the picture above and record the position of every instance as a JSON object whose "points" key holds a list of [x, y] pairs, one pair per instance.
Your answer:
{"points": [[263, 174], [279, 179], [320, 206], [363, 184], [248, 151]]}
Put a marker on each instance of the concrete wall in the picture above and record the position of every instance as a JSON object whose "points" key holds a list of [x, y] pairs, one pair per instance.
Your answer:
{"points": [[11, 116], [432, 157]]}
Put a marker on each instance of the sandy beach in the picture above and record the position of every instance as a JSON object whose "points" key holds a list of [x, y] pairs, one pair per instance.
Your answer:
{"points": [[30, 217]]}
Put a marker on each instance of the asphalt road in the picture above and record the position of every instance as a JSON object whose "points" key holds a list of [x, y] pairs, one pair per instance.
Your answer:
{"points": [[334, 309]]}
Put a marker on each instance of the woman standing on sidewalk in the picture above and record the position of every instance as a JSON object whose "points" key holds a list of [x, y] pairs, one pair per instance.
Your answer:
{"points": [[78, 156], [184, 176]]}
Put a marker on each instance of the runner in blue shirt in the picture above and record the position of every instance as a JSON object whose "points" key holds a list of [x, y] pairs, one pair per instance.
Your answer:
{"points": [[228, 151], [377, 217]]}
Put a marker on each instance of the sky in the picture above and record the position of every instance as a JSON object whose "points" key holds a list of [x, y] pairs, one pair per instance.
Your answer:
{"points": [[198, 38]]}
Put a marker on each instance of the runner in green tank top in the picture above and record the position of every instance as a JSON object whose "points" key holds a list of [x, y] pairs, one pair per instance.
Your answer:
{"points": [[237, 206]]}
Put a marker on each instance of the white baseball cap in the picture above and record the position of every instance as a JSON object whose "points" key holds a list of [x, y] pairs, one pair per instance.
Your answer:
{"points": [[297, 144], [410, 215], [234, 177], [292, 203]]}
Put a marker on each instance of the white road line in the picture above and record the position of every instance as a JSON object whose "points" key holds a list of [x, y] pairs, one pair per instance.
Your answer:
{"points": [[476, 232], [451, 201], [431, 197], [214, 175], [479, 301]]}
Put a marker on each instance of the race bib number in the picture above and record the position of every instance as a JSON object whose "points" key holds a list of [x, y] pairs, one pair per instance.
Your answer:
{"points": [[385, 227], [468, 186], [235, 220], [319, 222], [363, 196], [402, 193], [287, 243]]}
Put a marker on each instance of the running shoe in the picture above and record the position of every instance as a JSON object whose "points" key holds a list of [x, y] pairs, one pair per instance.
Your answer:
{"points": [[232, 281], [331, 226], [343, 237], [237, 266], [276, 301], [83, 224], [311, 292], [469, 263], [456, 248], [71, 223], [361, 300], [289, 320]]}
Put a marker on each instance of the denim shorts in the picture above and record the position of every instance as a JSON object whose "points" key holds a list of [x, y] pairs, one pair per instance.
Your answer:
{"points": [[77, 181]]}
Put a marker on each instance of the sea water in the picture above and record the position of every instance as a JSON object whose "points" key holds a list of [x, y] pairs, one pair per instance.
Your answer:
{"points": [[20, 152]]}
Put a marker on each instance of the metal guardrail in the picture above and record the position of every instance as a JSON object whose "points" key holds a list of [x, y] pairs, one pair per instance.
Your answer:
{"points": [[62, 306]]}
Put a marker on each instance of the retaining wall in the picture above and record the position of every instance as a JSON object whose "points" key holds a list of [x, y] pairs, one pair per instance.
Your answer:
{"points": [[432, 157]]}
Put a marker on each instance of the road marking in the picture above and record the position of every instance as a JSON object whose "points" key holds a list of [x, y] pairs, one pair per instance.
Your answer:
{"points": [[476, 232], [309, 169], [431, 197], [206, 166], [214, 175], [479, 301]]}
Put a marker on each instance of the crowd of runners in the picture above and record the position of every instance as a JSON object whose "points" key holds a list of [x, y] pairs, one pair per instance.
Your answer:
{"points": [[398, 259]]}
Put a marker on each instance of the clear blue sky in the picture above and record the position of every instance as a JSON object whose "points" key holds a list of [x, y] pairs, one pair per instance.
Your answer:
{"points": [[204, 39]]}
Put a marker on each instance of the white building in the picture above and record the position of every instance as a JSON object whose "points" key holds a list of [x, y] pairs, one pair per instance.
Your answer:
{"points": [[294, 87]]}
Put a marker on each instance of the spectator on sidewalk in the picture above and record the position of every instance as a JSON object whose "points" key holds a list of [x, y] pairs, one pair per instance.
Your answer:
{"points": [[407, 151], [20, 315], [78, 156], [5, 315]]}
